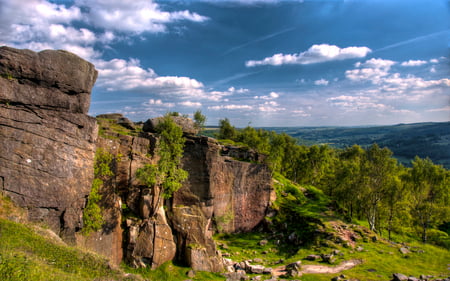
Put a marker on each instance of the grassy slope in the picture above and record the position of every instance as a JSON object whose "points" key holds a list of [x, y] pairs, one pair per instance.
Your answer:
{"points": [[380, 259]]}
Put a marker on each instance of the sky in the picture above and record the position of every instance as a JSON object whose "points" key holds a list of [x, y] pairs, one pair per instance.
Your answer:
{"points": [[259, 63]]}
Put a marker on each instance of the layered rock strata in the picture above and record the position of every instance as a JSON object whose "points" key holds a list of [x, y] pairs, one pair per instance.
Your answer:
{"points": [[46, 138]]}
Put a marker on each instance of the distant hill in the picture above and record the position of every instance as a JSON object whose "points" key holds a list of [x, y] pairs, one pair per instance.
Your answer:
{"points": [[405, 140]]}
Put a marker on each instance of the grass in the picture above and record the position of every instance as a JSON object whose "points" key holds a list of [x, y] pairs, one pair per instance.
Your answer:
{"points": [[109, 129], [170, 271], [25, 255]]}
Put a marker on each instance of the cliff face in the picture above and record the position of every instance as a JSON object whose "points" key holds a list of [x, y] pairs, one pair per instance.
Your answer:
{"points": [[48, 144], [46, 138]]}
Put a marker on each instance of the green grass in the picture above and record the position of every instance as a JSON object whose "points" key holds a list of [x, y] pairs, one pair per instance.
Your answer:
{"points": [[24, 255], [109, 129], [170, 271]]}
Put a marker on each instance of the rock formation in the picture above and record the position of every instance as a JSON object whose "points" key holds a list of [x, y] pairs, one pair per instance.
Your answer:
{"points": [[46, 138], [48, 144]]}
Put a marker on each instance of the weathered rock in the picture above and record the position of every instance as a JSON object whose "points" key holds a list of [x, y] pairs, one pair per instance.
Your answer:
{"points": [[404, 251], [119, 119], [256, 269], [47, 142], [263, 242], [186, 124], [56, 80], [154, 244], [399, 277], [312, 257], [328, 258]]}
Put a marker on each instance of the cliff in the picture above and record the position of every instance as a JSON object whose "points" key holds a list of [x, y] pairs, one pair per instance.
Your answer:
{"points": [[47, 166], [46, 138]]}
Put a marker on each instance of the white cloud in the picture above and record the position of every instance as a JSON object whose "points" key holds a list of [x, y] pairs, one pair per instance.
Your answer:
{"points": [[190, 104], [133, 15], [271, 96], [414, 63], [315, 54], [321, 82], [434, 61], [373, 70], [122, 75], [239, 91], [358, 103], [231, 107], [40, 24], [446, 108], [158, 103]]}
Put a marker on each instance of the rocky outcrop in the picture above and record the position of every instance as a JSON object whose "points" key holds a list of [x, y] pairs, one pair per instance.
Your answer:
{"points": [[186, 124], [47, 166], [46, 138]]}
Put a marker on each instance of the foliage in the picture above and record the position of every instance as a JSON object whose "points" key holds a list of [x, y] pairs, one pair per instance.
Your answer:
{"points": [[226, 130], [103, 172], [199, 120], [362, 182], [92, 213], [167, 173], [109, 129], [24, 255]]}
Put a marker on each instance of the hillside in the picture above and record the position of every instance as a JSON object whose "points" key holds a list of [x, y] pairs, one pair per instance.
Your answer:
{"points": [[405, 140]]}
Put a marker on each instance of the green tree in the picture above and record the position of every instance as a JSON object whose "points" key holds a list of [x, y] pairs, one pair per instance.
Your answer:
{"points": [[226, 130], [103, 172], [378, 170], [199, 120], [166, 176], [430, 186]]}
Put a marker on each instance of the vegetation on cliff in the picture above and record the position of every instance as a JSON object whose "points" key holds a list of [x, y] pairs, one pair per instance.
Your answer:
{"points": [[362, 183], [167, 173]]}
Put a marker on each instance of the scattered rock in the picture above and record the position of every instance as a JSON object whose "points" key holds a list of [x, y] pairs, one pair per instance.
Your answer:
{"points": [[359, 249], [399, 277], [328, 258], [404, 251], [293, 269], [257, 260], [191, 273], [256, 269], [263, 242], [312, 257]]}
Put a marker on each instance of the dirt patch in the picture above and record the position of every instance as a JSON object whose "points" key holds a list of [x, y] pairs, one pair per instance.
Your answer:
{"points": [[320, 269]]}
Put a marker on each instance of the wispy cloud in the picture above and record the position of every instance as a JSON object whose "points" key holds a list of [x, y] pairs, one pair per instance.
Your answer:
{"points": [[257, 40], [315, 54], [413, 40]]}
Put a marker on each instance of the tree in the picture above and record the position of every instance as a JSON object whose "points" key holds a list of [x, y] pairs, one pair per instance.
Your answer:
{"points": [[166, 176], [378, 170], [199, 120], [226, 131], [430, 196]]}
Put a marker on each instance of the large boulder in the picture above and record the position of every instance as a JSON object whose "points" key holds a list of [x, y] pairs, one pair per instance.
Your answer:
{"points": [[186, 124], [56, 80], [47, 141]]}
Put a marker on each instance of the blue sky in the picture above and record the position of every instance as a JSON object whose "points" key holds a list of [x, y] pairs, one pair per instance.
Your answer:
{"points": [[267, 63]]}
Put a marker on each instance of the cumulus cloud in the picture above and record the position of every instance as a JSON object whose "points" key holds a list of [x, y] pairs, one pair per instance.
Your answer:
{"points": [[40, 24], [190, 104], [158, 103], [271, 96], [270, 106], [231, 107], [119, 74], [321, 82], [372, 70], [414, 63], [357, 103], [315, 54], [133, 15]]}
